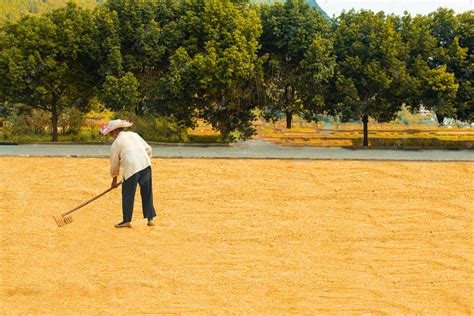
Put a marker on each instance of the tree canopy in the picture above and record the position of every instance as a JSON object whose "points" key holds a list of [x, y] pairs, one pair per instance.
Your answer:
{"points": [[371, 76]]}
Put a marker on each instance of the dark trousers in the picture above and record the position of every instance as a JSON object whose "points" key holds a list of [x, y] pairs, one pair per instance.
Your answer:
{"points": [[129, 187]]}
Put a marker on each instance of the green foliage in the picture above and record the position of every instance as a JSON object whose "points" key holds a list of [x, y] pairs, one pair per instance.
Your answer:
{"points": [[369, 65], [23, 120], [159, 128], [440, 91], [28, 122], [145, 44], [211, 72], [172, 63], [404, 116], [121, 94], [318, 70], [57, 60], [461, 63], [298, 52], [465, 30], [456, 60], [439, 58], [70, 121], [371, 77], [139, 32]]}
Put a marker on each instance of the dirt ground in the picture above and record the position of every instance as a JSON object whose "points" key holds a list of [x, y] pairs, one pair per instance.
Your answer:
{"points": [[240, 236]]}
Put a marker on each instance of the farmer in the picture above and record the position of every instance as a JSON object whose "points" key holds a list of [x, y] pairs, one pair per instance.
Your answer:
{"points": [[133, 154]]}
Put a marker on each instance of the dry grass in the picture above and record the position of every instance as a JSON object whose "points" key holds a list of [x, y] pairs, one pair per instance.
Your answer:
{"points": [[351, 134], [313, 134], [255, 236]]}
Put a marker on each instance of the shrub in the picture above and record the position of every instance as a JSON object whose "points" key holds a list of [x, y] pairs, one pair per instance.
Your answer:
{"points": [[70, 121], [158, 129], [34, 122]]}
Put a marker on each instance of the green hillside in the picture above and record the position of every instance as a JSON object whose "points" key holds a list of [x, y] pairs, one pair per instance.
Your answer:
{"points": [[15, 9]]}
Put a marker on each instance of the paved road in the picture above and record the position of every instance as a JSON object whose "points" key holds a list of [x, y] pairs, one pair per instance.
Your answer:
{"points": [[249, 149]]}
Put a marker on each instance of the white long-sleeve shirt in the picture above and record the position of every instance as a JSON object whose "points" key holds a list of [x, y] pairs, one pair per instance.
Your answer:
{"points": [[130, 152]]}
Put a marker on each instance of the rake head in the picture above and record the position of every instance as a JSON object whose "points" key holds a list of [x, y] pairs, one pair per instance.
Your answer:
{"points": [[62, 220]]}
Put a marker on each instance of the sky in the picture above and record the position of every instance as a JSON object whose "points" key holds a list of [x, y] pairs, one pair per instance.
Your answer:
{"points": [[334, 7]]}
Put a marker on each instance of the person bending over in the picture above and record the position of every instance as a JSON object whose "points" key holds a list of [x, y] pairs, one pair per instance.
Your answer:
{"points": [[133, 154]]}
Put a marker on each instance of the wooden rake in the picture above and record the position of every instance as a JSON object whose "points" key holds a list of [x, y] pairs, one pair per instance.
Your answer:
{"points": [[65, 218]]}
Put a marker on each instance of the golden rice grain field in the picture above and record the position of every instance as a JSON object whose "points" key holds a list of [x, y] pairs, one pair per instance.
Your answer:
{"points": [[240, 236]]}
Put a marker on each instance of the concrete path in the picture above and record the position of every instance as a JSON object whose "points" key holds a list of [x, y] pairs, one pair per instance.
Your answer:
{"points": [[249, 149]]}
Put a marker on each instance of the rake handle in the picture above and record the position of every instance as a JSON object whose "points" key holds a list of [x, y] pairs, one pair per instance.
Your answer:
{"points": [[91, 200]]}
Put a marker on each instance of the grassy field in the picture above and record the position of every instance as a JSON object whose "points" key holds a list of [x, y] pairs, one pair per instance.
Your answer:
{"points": [[240, 236], [351, 135]]}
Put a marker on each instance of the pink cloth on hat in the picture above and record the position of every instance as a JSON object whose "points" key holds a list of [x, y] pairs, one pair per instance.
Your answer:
{"points": [[105, 130]]}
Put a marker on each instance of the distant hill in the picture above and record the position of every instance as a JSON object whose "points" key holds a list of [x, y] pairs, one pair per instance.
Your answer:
{"points": [[15, 9], [312, 3]]}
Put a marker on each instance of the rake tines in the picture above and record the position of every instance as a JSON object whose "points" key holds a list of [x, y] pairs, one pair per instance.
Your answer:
{"points": [[62, 220]]}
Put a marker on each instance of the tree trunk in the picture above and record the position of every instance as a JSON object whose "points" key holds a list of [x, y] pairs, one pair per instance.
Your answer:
{"points": [[289, 116], [54, 119], [365, 120], [139, 109], [440, 118]]}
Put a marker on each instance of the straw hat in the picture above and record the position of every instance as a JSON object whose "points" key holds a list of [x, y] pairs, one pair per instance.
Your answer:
{"points": [[114, 125]]}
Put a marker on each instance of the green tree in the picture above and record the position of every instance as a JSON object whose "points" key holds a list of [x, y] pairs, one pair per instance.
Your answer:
{"points": [[56, 61], [370, 78], [439, 62], [146, 42], [295, 43], [465, 70], [212, 71], [454, 50]]}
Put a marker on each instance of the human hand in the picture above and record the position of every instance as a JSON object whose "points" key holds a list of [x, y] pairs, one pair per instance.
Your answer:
{"points": [[114, 183]]}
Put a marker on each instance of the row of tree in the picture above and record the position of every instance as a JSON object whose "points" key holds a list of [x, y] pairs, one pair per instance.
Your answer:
{"points": [[219, 60]]}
